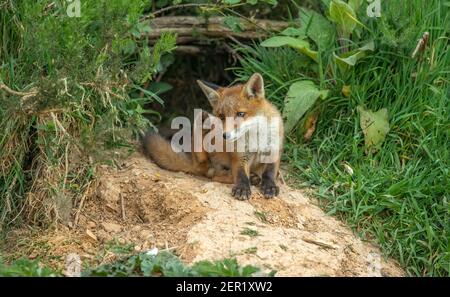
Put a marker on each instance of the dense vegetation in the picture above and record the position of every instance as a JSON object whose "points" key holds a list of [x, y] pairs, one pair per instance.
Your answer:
{"points": [[143, 264], [396, 193], [69, 86], [79, 82]]}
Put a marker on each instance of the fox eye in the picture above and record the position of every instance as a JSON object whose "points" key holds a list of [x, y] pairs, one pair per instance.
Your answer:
{"points": [[241, 114]]}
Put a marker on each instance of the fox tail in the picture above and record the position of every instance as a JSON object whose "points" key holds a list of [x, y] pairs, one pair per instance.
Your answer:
{"points": [[160, 151]]}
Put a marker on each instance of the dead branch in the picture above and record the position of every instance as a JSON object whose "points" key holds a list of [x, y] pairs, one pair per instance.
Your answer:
{"points": [[190, 28], [188, 49], [187, 5], [24, 95], [122, 204], [80, 206], [320, 243]]}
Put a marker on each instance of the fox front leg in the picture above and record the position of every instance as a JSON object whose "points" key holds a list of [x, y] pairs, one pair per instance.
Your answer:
{"points": [[240, 170], [268, 185]]}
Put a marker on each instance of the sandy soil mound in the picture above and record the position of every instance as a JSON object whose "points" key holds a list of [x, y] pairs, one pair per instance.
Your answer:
{"points": [[146, 206]]}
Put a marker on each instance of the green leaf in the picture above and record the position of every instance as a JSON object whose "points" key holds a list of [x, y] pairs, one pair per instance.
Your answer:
{"points": [[299, 44], [271, 2], [161, 3], [129, 46], [143, 27], [326, 3], [249, 270], [375, 126], [349, 59], [150, 94], [300, 98], [232, 22], [310, 53], [135, 32], [278, 41], [231, 2], [159, 87], [147, 264], [343, 14], [355, 4], [294, 32], [25, 267], [252, 2], [318, 28]]}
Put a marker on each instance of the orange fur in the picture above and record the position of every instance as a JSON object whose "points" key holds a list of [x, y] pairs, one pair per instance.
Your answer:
{"points": [[244, 101]]}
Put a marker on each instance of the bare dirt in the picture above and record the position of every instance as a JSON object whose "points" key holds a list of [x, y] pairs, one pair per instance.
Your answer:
{"points": [[145, 206]]}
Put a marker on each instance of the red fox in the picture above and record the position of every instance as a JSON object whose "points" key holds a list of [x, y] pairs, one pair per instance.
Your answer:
{"points": [[241, 109]]}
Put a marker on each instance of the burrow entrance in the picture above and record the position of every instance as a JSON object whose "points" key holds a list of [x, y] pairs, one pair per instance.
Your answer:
{"points": [[212, 63]]}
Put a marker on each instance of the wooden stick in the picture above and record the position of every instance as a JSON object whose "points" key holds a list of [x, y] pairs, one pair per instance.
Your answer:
{"points": [[282, 177], [122, 204], [188, 49], [179, 6], [196, 27], [33, 92], [320, 243], [75, 221]]}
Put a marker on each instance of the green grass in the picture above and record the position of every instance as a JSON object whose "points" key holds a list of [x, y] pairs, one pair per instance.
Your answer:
{"points": [[261, 216], [251, 250], [76, 92], [398, 197], [283, 247], [163, 264], [250, 232]]}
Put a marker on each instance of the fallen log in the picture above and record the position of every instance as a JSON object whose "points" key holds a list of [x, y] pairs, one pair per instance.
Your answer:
{"points": [[189, 29]]}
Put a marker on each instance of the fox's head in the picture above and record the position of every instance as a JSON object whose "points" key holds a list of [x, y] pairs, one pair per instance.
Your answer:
{"points": [[235, 106]]}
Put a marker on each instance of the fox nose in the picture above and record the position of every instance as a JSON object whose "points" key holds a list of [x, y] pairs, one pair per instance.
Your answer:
{"points": [[226, 135]]}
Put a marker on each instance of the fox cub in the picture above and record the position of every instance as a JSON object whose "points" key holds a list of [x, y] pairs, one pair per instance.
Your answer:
{"points": [[241, 110]]}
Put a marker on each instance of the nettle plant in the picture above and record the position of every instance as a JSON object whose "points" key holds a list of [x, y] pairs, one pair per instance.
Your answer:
{"points": [[316, 36]]}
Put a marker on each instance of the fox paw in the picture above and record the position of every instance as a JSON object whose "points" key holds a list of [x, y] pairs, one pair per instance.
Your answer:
{"points": [[255, 180], [241, 191], [269, 188]]}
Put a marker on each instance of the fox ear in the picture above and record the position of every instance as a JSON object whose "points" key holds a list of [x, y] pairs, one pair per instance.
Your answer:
{"points": [[210, 91], [254, 88]]}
